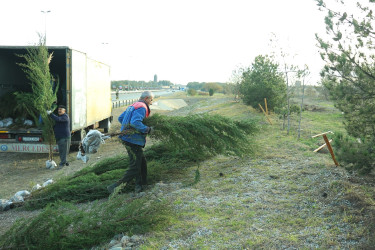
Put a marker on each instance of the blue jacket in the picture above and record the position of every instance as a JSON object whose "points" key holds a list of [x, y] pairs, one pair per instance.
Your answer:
{"points": [[132, 123], [62, 126]]}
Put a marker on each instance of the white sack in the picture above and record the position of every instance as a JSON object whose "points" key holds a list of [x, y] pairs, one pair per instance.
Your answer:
{"points": [[91, 144]]}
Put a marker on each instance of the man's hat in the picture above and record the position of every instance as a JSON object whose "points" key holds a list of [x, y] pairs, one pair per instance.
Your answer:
{"points": [[61, 107]]}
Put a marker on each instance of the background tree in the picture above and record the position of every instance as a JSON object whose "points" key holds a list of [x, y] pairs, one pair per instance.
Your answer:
{"points": [[282, 52], [192, 92], [262, 80], [195, 85], [349, 73], [214, 86], [43, 95]]}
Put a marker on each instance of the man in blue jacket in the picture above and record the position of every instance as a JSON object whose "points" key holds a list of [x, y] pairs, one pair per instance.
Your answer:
{"points": [[62, 133], [133, 137]]}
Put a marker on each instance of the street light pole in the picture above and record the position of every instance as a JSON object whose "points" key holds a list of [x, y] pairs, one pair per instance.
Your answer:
{"points": [[45, 12]]}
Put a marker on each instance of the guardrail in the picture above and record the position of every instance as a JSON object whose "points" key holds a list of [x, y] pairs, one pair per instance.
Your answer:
{"points": [[121, 103]]}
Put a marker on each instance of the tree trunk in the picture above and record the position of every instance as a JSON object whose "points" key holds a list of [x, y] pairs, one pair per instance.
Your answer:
{"points": [[300, 114], [287, 98]]}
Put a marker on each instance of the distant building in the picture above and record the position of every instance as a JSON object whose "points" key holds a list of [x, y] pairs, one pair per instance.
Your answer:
{"points": [[155, 78]]}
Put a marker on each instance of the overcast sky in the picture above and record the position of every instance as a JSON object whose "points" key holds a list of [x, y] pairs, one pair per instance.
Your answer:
{"points": [[179, 40]]}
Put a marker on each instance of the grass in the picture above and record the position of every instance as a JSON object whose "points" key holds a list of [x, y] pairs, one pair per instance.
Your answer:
{"points": [[281, 196]]}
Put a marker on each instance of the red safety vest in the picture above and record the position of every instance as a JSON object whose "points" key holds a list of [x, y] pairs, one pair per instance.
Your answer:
{"points": [[138, 105]]}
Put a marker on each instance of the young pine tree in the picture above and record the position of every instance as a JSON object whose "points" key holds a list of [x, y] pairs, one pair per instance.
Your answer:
{"points": [[43, 96]]}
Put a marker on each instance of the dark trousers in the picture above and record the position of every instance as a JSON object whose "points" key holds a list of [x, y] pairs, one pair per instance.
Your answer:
{"points": [[137, 165], [63, 146]]}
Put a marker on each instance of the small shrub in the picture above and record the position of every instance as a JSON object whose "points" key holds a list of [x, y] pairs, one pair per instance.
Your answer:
{"points": [[192, 92], [203, 93], [357, 154]]}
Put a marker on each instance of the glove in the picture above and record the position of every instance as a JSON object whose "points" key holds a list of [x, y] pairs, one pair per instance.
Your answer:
{"points": [[150, 130], [49, 112]]}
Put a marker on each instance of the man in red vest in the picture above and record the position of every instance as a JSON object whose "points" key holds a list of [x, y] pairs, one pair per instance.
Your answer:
{"points": [[134, 140]]}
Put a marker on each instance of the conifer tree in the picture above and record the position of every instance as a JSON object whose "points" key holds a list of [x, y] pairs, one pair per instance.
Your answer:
{"points": [[43, 96], [349, 73], [262, 80]]}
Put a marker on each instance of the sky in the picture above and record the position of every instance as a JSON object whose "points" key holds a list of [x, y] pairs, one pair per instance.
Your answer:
{"points": [[178, 40]]}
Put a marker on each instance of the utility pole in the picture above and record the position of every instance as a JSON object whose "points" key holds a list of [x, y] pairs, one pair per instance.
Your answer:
{"points": [[45, 12]]}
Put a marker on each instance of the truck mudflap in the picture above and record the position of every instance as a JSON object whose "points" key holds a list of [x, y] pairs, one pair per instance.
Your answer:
{"points": [[26, 148]]}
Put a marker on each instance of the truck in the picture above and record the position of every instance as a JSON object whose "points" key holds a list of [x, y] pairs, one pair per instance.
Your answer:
{"points": [[84, 88]]}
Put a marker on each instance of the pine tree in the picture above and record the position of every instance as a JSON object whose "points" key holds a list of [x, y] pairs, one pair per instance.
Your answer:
{"points": [[43, 96], [349, 73], [262, 80]]}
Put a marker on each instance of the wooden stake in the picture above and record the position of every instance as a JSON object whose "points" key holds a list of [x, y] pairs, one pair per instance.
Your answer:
{"points": [[316, 150], [322, 134], [265, 104], [330, 149], [265, 114]]}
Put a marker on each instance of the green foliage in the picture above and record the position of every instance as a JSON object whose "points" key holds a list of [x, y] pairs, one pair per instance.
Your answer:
{"points": [[85, 185], [8, 104], [203, 93], [349, 74], [322, 92], [182, 141], [42, 97], [211, 92], [212, 85], [202, 135], [206, 86], [64, 226], [192, 92], [195, 85], [356, 154], [262, 80], [283, 111]]}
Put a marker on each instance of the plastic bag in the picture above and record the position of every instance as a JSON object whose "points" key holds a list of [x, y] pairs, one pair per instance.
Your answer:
{"points": [[7, 122], [90, 144], [28, 122], [85, 158], [5, 204], [23, 193], [50, 164], [49, 182]]}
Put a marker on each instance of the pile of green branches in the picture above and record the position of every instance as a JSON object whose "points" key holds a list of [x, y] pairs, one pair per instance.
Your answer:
{"points": [[180, 141], [86, 185], [64, 226], [198, 137]]}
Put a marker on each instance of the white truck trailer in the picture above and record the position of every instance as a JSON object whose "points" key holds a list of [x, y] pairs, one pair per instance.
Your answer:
{"points": [[84, 88]]}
